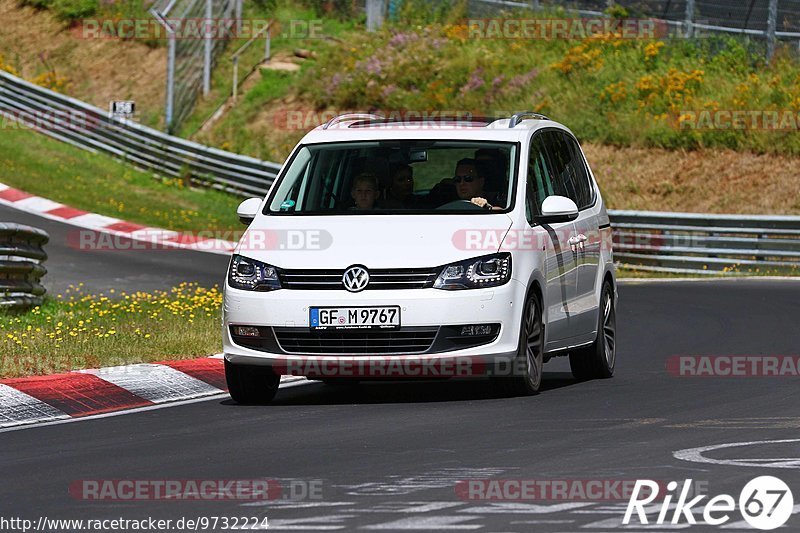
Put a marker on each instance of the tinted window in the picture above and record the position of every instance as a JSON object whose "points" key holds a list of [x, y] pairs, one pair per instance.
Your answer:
{"points": [[539, 185], [580, 174], [362, 178], [570, 177]]}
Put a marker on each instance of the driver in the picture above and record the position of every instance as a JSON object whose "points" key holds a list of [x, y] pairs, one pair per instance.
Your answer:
{"points": [[469, 180]]}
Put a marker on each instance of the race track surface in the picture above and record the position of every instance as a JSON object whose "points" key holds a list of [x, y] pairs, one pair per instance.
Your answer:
{"points": [[122, 270], [390, 456]]}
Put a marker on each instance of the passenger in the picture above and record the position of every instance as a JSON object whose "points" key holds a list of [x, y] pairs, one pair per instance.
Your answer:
{"points": [[365, 191], [492, 162], [400, 194]]}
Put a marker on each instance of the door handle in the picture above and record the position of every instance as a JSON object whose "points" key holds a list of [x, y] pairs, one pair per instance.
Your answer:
{"points": [[576, 242]]}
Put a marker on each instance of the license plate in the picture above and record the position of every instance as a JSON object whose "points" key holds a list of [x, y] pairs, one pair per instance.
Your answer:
{"points": [[354, 317]]}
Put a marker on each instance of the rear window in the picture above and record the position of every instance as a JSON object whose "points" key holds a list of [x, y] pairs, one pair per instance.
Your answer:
{"points": [[409, 177]]}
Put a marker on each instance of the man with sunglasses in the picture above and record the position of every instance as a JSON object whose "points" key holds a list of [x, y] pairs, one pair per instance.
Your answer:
{"points": [[470, 180]]}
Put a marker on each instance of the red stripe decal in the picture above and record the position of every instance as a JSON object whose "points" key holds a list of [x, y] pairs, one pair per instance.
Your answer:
{"points": [[14, 195], [78, 394], [66, 212], [211, 371], [125, 227], [185, 238]]}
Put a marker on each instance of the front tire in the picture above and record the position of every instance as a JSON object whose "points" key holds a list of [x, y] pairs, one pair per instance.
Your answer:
{"points": [[530, 354], [598, 360], [251, 384]]}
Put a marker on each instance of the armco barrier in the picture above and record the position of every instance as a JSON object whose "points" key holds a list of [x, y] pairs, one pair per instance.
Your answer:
{"points": [[90, 128], [673, 242], [693, 242], [21, 269]]}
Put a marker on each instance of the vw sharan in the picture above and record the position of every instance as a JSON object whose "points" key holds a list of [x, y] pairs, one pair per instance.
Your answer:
{"points": [[425, 248]]}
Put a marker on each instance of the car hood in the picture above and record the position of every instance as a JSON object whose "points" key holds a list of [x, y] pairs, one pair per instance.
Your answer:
{"points": [[375, 241]]}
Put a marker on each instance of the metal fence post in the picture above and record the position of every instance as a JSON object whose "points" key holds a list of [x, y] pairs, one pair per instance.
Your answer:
{"points": [[268, 45], [207, 50], [238, 15], [375, 13], [689, 33], [235, 77], [772, 27]]}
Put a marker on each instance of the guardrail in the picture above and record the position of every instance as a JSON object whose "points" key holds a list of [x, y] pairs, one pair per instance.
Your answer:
{"points": [[671, 242], [21, 269], [90, 128], [701, 243]]}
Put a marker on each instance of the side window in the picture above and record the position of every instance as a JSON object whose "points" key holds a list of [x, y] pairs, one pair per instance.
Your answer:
{"points": [[580, 174], [560, 158], [539, 185]]}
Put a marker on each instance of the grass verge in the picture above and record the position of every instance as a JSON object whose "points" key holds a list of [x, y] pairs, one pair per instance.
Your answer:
{"points": [[97, 183], [78, 330]]}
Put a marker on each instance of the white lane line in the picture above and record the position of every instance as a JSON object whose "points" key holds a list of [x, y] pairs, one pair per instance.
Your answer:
{"points": [[16, 407], [36, 203], [616, 523], [695, 455], [523, 508], [428, 523], [69, 420], [311, 523]]}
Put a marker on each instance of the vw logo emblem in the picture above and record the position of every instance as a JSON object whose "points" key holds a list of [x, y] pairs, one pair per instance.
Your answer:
{"points": [[355, 279]]}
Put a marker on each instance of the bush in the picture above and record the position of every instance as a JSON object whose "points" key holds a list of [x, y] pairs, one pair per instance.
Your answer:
{"points": [[38, 4], [606, 88], [74, 10]]}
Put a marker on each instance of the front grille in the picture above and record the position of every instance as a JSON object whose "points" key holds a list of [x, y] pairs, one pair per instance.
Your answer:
{"points": [[405, 340], [379, 279]]}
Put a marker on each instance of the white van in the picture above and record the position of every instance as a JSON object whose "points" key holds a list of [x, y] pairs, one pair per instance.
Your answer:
{"points": [[418, 248]]}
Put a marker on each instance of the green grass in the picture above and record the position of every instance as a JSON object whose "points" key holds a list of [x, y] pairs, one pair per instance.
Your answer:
{"points": [[607, 89], [97, 183], [283, 43], [77, 330]]}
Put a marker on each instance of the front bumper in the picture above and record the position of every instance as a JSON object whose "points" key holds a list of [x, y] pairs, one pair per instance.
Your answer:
{"points": [[419, 308]]}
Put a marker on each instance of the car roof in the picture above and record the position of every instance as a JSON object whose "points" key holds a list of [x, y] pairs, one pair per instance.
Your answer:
{"points": [[372, 128]]}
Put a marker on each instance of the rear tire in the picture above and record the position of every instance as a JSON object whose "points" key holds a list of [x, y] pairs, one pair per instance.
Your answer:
{"points": [[530, 354], [251, 384], [598, 360]]}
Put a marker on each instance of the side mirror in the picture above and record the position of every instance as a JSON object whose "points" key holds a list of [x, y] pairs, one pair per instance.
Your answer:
{"points": [[557, 209], [248, 210]]}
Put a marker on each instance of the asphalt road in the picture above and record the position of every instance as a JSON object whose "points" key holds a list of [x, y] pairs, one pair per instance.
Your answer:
{"points": [[121, 270], [389, 456]]}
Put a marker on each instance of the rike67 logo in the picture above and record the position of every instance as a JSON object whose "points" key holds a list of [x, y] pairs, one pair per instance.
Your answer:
{"points": [[765, 503]]}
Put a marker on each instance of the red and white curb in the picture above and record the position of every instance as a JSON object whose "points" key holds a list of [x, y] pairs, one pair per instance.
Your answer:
{"points": [[84, 393], [69, 215]]}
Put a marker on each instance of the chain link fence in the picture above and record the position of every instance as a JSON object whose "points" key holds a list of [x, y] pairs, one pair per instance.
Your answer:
{"points": [[191, 55], [769, 20]]}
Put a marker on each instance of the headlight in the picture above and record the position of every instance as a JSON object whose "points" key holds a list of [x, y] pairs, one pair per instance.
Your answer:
{"points": [[488, 271], [251, 275]]}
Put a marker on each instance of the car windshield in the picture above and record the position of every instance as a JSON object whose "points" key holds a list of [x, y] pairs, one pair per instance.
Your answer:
{"points": [[408, 177]]}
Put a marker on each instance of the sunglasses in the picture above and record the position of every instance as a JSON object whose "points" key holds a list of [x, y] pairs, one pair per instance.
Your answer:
{"points": [[467, 179]]}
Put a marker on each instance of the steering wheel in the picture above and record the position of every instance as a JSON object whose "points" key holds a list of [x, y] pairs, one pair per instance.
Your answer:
{"points": [[460, 204]]}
